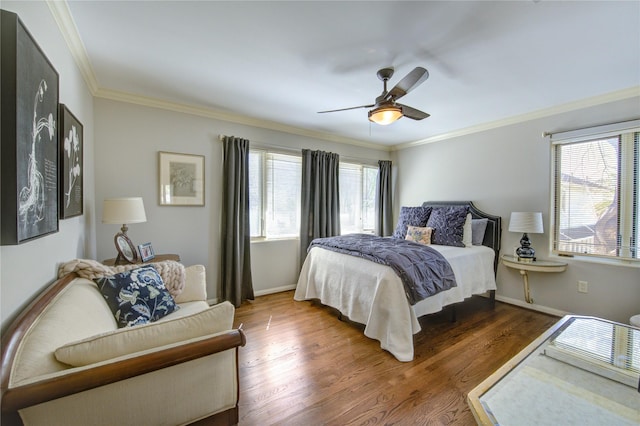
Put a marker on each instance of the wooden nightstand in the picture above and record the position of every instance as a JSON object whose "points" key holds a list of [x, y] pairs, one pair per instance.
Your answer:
{"points": [[535, 266], [158, 258]]}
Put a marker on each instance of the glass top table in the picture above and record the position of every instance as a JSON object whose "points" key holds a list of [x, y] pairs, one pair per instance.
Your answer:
{"points": [[582, 371]]}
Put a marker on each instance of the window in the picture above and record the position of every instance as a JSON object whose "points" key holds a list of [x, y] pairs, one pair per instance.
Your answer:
{"points": [[274, 194], [357, 198], [596, 191]]}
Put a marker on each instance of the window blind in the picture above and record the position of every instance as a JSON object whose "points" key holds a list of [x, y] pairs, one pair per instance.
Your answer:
{"points": [[596, 191], [274, 194], [282, 213], [357, 197]]}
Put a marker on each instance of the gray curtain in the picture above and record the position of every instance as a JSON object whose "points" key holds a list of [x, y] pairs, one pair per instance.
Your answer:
{"points": [[384, 203], [320, 214], [237, 285]]}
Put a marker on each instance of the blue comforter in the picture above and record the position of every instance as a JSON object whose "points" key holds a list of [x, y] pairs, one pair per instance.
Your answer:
{"points": [[422, 269]]}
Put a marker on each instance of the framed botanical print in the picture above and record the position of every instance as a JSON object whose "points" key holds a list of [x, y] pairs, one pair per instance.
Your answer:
{"points": [[181, 179], [71, 164], [29, 160]]}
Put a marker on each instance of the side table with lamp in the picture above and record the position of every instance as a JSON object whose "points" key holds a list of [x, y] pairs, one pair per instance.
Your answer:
{"points": [[524, 259], [124, 211]]}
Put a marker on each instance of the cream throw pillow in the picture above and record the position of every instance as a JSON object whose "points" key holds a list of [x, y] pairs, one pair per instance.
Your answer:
{"points": [[419, 234], [128, 340], [196, 285], [467, 234]]}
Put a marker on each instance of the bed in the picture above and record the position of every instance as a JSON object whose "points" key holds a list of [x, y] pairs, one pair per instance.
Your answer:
{"points": [[373, 294]]}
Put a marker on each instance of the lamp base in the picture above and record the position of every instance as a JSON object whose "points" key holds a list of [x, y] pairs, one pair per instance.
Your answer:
{"points": [[525, 252]]}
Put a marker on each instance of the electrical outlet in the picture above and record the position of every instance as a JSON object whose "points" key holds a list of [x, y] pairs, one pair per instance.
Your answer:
{"points": [[583, 287]]}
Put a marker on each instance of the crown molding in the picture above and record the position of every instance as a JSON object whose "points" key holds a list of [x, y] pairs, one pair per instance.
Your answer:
{"points": [[546, 112], [229, 117], [62, 15]]}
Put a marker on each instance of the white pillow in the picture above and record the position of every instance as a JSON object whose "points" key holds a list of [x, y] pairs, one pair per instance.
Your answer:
{"points": [[466, 232], [128, 340]]}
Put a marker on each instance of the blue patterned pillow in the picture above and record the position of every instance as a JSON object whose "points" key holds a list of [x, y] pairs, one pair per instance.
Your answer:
{"points": [[411, 216], [448, 225], [137, 296]]}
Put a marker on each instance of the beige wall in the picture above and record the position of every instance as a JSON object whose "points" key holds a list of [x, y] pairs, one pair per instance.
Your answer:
{"points": [[128, 138], [508, 169], [26, 268]]}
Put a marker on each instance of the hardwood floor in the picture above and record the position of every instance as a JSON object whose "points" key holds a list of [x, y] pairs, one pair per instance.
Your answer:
{"points": [[303, 366]]}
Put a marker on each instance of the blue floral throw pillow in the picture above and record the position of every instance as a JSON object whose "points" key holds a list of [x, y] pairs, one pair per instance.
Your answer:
{"points": [[448, 225], [137, 296], [411, 216]]}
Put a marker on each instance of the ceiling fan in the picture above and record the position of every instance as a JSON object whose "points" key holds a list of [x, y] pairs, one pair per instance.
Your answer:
{"points": [[386, 110]]}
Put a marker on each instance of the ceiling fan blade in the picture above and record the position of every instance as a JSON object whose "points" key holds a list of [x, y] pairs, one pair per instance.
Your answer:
{"points": [[346, 109], [412, 113], [408, 83]]}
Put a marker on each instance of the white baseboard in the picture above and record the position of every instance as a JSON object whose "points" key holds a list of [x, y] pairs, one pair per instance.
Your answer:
{"points": [[275, 290], [532, 306], [215, 301]]}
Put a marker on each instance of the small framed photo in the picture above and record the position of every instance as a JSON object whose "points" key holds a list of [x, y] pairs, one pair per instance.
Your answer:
{"points": [[146, 252], [181, 179], [125, 248]]}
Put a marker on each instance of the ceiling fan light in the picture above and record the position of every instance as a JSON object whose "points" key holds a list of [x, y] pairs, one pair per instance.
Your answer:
{"points": [[385, 115]]}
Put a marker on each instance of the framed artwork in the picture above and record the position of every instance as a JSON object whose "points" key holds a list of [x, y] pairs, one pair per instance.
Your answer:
{"points": [[146, 252], [181, 179], [71, 164], [125, 248], [29, 159]]}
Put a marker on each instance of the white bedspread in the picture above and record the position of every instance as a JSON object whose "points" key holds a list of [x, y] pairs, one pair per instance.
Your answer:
{"points": [[373, 295]]}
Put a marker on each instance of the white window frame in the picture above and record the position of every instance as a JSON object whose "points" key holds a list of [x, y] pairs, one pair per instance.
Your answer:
{"points": [[263, 234], [362, 167], [625, 173]]}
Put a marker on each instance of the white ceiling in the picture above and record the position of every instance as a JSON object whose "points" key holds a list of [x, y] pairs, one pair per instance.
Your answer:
{"points": [[275, 64]]}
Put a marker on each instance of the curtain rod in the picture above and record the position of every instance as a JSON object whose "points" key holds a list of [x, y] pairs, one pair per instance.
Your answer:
{"points": [[258, 144], [545, 134], [262, 145]]}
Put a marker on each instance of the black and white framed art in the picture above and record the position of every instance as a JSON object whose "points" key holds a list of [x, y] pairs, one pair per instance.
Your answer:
{"points": [[30, 91], [71, 164]]}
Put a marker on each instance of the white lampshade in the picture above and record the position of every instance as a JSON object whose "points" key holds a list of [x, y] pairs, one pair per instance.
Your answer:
{"points": [[123, 210], [529, 222]]}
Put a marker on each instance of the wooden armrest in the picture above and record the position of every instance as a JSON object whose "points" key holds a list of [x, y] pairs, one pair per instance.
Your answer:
{"points": [[30, 394]]}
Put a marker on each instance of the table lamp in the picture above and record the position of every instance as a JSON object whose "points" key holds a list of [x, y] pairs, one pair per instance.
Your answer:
{"points": [[527, 223], [124, 211]]}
